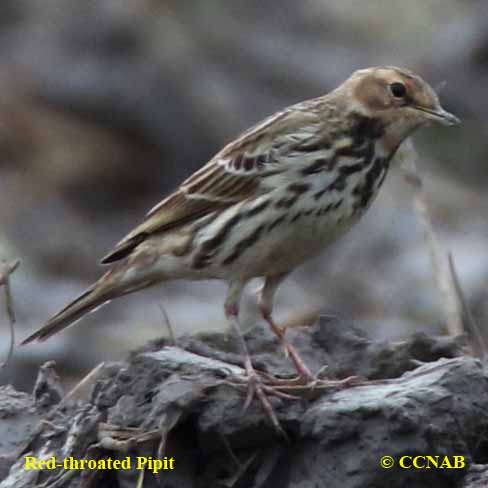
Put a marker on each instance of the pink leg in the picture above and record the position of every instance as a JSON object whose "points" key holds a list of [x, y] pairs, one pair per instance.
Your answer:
{"points": [[266, 305], [304, 373], [255, 386]]}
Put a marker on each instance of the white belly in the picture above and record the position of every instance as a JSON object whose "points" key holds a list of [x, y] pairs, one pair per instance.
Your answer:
{"points": [[280, 247]]}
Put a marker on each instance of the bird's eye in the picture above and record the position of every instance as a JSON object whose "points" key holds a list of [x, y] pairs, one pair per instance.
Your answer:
{"points": [[398, 90]]}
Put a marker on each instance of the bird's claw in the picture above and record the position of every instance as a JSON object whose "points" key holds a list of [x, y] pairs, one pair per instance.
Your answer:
{"points": [[263, 385], [256, 387]]}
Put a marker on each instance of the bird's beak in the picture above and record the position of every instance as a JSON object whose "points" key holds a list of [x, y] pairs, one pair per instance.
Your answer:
{"points": [[439, 115]]}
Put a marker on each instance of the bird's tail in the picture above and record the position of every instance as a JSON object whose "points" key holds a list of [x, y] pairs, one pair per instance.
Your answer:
{"points": [[99, 294], [87, 302]]}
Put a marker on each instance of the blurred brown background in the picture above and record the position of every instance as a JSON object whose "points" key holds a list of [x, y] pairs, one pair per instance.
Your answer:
{"points": [[105, 105]]}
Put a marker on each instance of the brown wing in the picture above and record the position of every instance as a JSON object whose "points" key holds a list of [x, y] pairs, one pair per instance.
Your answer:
{"points": [[239, 171], [233, 175]]}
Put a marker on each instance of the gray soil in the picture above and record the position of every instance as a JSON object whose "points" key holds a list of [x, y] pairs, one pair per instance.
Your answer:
{"points": [[423, 396]]}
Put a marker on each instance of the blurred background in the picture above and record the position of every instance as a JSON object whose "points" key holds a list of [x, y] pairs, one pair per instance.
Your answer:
{"points": [[105, 105]]}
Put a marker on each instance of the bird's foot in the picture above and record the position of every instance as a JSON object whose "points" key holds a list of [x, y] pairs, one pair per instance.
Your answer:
{"points": [[302, 386], [304, 379], [262, 386], [340, 384]]}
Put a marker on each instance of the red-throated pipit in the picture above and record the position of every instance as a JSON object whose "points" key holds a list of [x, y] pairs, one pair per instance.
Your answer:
{"points": [[271, 199]]}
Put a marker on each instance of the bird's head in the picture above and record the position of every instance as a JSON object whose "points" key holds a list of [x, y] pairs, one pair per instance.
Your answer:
{"points": [[397, 97]]}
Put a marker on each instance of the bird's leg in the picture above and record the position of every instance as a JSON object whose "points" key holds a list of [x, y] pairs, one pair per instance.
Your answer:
{"points": [[305, 377], [266, 306], [255, 385]]}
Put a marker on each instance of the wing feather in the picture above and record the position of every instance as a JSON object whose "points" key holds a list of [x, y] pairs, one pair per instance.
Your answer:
{"points": [[236, 173]]}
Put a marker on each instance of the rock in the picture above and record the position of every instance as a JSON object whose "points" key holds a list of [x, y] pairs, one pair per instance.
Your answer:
{"points": [[47, 390], [18, 422], [477, 477], [184, 402]]}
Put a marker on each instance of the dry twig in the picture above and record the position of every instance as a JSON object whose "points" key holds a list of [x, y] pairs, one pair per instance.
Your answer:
{"points": [[140, 479], [241, 470], [86, 380], [5, 271], [440, 262], [168, 325], [476, 339]]}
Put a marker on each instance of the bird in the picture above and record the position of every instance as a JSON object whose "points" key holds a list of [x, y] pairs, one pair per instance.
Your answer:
{"points": [[270, 200]]}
